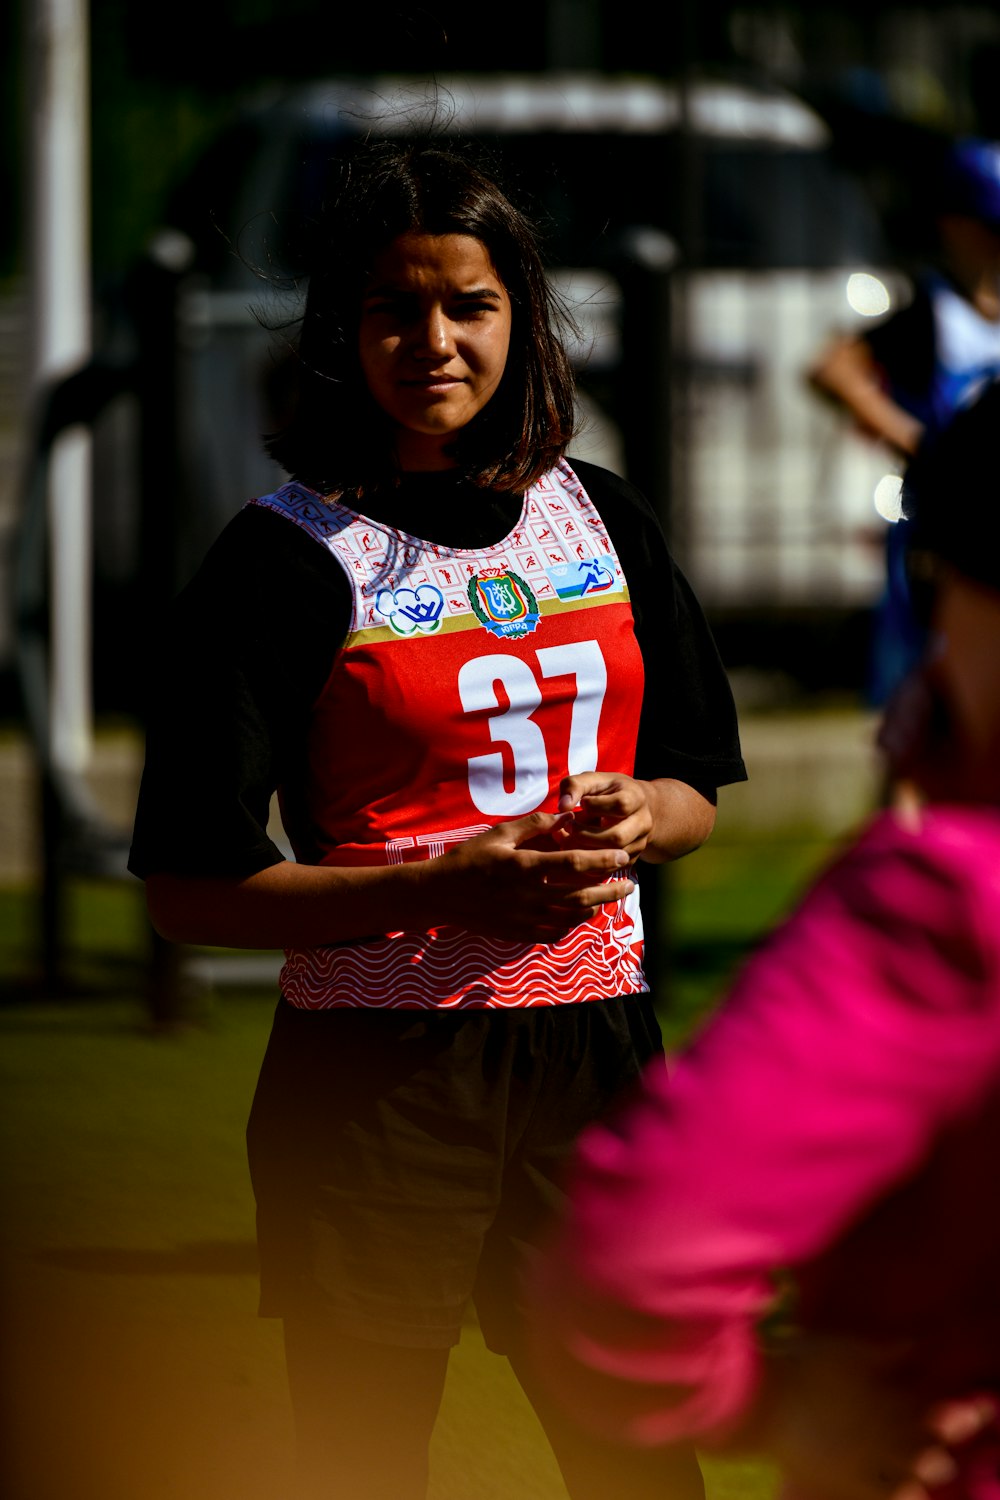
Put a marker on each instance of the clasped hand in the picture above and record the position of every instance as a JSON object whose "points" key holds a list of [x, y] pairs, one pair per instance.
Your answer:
{"points": [[536, 878], [609, 811]]}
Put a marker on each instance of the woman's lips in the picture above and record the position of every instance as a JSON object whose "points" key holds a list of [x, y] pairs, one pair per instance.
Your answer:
{"points": [[432, 382]]}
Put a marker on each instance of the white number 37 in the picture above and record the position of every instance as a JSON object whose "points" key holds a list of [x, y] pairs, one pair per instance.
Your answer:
{"points": [[515, 727]]}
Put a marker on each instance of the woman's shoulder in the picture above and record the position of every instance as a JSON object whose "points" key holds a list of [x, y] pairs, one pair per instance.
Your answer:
{"points": [[260, 551], [603, 486], [636, 530], [263, 574], [258, 533]]}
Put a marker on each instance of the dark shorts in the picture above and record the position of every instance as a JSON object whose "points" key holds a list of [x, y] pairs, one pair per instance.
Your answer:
{"points": [[405, 1162]]}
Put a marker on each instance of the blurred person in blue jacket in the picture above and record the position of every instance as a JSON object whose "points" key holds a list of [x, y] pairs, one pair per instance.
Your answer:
{"points": [[905, 378]]}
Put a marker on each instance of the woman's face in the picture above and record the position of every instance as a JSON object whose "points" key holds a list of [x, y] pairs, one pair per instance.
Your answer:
{"points": [[433, 340]]}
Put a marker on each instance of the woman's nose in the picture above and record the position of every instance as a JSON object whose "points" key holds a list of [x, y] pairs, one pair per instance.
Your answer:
{"points": [[434, 336]]}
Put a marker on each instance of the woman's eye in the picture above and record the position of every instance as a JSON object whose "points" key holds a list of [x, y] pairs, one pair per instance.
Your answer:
{"points": [[475, 309], [383, 307], [405, 310]]}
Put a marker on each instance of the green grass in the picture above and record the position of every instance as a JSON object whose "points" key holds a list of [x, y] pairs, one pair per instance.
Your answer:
{"points": [[716, 906], [133, 1362]]}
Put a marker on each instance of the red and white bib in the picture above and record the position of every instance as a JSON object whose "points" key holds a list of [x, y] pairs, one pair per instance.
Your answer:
{"points": [[470, 683]]}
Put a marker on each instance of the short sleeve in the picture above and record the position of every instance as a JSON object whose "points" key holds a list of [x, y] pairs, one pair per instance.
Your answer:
{"points": [[688, 729], [241, 656]]}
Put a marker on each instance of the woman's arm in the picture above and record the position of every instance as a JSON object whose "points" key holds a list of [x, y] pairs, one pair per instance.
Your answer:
{"points": [[655, 820], [496, 883], [847, 373]]}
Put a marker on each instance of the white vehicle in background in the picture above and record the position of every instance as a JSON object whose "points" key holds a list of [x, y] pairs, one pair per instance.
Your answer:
{"points": [[706, 241]]}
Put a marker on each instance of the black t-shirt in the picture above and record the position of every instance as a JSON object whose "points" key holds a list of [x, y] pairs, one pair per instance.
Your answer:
{"points": [[248, 646]]}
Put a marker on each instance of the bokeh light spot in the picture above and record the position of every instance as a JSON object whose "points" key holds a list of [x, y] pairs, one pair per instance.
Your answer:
{"points": [[867, 294], [888, 497]]}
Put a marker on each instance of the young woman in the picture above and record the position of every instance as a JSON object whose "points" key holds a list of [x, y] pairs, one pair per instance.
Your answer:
{"points": [[483, 692], [828, 1142]]}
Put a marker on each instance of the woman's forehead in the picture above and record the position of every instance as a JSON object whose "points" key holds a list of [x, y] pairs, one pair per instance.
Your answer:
{"points": [[416, 259]]}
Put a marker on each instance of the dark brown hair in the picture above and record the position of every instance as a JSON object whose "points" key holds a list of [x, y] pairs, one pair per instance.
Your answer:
{"points": [[337, 438]]}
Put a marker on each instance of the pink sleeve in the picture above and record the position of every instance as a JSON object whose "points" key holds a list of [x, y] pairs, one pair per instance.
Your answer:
{"points": [[861, 1027]]}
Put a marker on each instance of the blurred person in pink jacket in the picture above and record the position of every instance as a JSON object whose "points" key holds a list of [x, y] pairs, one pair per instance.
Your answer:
{"points": [[788, 1241]]}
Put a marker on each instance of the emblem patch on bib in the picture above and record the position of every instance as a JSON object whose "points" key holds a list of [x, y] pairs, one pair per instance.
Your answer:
{"points": [[412, 610], [503, 602], [571, 580]]}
